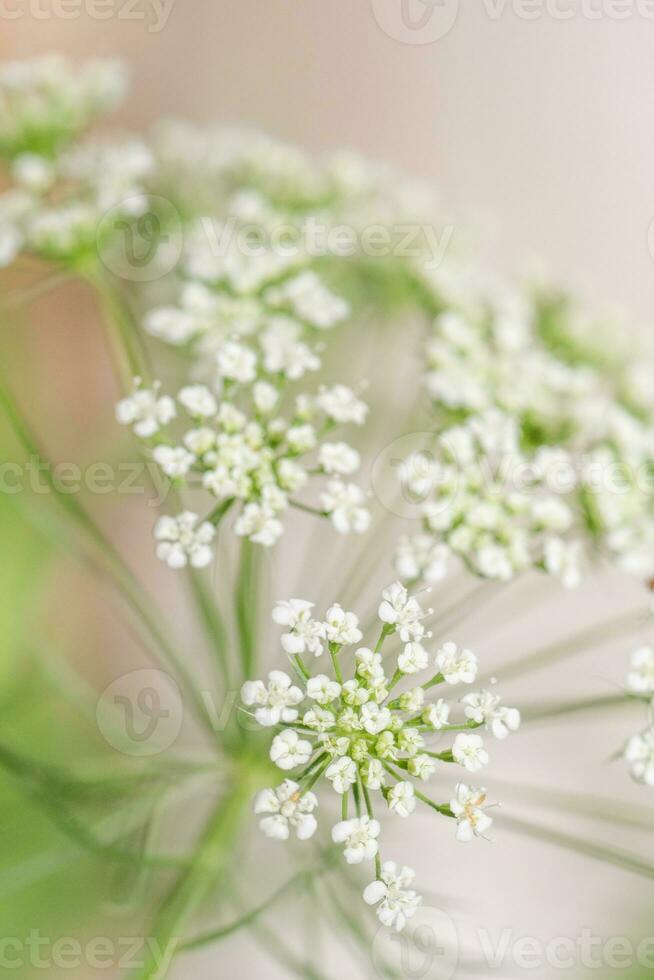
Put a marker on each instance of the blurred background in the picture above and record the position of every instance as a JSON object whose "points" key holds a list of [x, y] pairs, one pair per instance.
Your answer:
{"points": [[537, 132]]}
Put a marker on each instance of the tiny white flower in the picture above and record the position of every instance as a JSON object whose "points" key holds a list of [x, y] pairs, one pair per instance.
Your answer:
{"points": [[412, 700], [344, 502], [410, 741], [639, 753], [301, 438], [422, 766], [340, 404], [401, 799], [276, 702], [342, 627], [342, 773], [402, 611], [285, 808], [422, 557], [484, 708], [456, 666], [436, 715], [375, 719], [396, 901], [305, 634], [265, 397], [360, 838], [468, 750], [413, 659], [373, 774], [467, 807], [563, 560], [369, 664], [288, 750], [337, 458], [175, 461], [198, 401], [259, 524], [323, 689], [182, 540], [640, 678], [145, 410], [320, 719], [355, 693], [237, 362]]}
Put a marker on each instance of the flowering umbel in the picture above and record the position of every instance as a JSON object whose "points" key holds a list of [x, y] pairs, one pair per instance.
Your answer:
{"points": [[370, 734]]}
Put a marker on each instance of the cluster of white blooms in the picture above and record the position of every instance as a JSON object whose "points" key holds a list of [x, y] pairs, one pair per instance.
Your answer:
{"points": [[46, 102], [639, 750], [272, 183], [233, 441], [375, 736], [575, 384], [62, 192], [484, 502]]}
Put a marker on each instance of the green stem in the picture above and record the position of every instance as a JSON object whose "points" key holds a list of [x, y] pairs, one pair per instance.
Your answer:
{"points": [[366, 797], [123, 332], [246, 607], [187, 893], [109, 560], [333, 652], [387, 629]]}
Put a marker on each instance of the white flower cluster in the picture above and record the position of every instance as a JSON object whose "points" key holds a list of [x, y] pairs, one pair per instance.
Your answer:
{"points": [[574, 384], [484, 502], [639, 750], [272, 183], [46, 102], [236, 444], [61, 193], [370, 741]]}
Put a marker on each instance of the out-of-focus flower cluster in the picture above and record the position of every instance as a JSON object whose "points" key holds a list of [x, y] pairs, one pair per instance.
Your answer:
{"points": [[373, 742], [484, 502], [639, 750], [62, 189], [577, 387]]}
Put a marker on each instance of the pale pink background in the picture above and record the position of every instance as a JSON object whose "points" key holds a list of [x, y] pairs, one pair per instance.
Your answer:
{"points": [[540, 135]]}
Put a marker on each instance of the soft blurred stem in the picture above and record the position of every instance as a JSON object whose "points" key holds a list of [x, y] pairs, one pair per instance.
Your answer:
{"points": [[123, 578], [246, 606], [619, 859], [618, 626], [131, 356], [211, 858], [548, 712], [302, 880]]}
